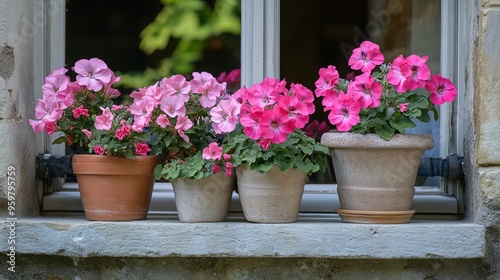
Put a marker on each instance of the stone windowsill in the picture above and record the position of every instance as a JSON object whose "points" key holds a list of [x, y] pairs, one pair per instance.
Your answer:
{"points": [[311, 236]]}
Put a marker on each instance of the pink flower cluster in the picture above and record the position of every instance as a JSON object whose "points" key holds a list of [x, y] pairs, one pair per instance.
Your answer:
{"points": [[172, 101], [270, 112], [365, 91], [59, 92], [214, 152]]}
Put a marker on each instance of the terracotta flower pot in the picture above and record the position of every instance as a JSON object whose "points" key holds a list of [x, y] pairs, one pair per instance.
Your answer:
{"points": [[115, 188], [203, 200], [270, 197], [376, 175]]}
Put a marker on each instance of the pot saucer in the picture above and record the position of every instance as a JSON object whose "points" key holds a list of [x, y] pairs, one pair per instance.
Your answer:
{"points": [[374, 217]]}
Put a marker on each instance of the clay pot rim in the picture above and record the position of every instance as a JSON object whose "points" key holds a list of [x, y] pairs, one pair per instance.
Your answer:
{"points": [[341, 140], [104, 164]]}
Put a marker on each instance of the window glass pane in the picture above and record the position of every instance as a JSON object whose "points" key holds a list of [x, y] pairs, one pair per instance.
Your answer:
{"points": [[318, 33]]}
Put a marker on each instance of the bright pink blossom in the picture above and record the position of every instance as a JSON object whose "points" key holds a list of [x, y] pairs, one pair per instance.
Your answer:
{"points": [[420, 72], [400, 69], [98, 150], [304, 95], [366, 90], [289, 105], [216, 168], [229, 172], [366, 57], [104, 121], [403, 107], [276, 126], [212, 152], [93, 73], [250, 123], [344, 113], [442, 89], [227, 157], [142, 149], [266, 93], [328, 78], [80, 111], [123, 131]]}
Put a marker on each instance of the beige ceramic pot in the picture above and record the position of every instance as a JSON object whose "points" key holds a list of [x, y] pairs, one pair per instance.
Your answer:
{"points": [[376, 175], [115, 188], [270, 197], [203, 200]]}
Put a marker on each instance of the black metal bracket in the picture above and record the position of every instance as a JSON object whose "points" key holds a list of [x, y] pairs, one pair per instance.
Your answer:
{"points": [[451, 167]]}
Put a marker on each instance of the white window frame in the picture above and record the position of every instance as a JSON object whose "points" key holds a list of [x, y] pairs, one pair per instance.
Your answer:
{"points": [[260, 58]]}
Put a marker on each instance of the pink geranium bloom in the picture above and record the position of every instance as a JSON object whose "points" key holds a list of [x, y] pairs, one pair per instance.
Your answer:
{"points": [[173, 106], [328, 78], [50, 127], [87, 132], [216, 168], [442, 89], [104, 121], [225, 115], [266, 93], [250, 123], [403, 107], [276, 126], [211, 92], [162, 121], [232, 79], [400, 69], [142, 110], [289, 105], [93, 73], [137, 95], [420, 72], [137, 127], [108, 90], [176, 85], [227, 157], [330, 98], [366, 90], [98, 150], [123, 131], [183, 124], [142, 149], [265, 143], [57, 85], [80, 111], [366, 57], [345, 113], [212, 152], [304, 95]]}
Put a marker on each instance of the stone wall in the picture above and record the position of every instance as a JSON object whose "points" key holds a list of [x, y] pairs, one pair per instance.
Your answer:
{"points": [[482, 153]]}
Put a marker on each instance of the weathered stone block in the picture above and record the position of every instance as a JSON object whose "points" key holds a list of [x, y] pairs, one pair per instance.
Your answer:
{"points": [[489, 186], [488, 3]]}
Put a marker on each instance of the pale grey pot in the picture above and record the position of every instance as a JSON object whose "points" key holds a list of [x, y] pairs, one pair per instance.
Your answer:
{"points": [[270, 197], [203, 200], [374, 174]]}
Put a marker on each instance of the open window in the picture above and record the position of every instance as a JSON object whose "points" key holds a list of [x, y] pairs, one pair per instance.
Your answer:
{"points": [[292, 40]]}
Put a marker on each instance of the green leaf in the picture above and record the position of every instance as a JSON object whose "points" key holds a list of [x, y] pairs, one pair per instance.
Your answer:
{"points": [[385, 131], [59, 140], [402, 124]]}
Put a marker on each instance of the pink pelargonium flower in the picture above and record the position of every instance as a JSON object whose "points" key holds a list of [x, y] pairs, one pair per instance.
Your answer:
{"points": [[212, 152], [328, 78], [142, 149], [108, 90], [400, 69], [123, 131], [48, 112], [162, 121], [104, 121], [80, 111], [419, 72], [250, 123], [176, 85], [366, 90], [366, 57], [304, 95], [216, 169], [289, 105], [403, 107], [183, 124], [225, 116], [344, 113], [142, 110], [173, 106], [98, 150], [93, 73], [330, 98], [57, 85], [442, 89], [276, 126], [266, 93], [209, 88], [87, 133]]}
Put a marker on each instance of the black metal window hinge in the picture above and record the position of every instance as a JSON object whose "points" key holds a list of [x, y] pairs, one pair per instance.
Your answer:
{"points": [[49, 166]]}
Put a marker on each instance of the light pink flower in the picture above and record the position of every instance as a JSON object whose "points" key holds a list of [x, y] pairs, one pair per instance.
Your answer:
{"points": [[403, 107], [225, 115], [344, 113], [227, 157], [183, 124], [142, 110], [108, 90], [142, 149], [366, 90], [137, 127], [266, 93], [229, 172], [87, 132], [366, 57], [328, 78], [173, 106], [209, 88], [80, 111], [104, 121], [228, 165], [212, 152], [93, 73], [442, 89], [98, 150], [176, 85], [162, 121]]}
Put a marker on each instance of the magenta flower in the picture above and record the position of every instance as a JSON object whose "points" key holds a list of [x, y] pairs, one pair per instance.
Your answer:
{"points": [[442, 89], [142, 149], [366, 57], [93, 73], [104, 121], [304, 95], [80, 111], [403, 107], [212, 152], [420, 72], [216, 168], [266, 93], [290, 106], [276, 126], [250, 123], [123, 131], [328, 78], [344, 113], [400, 69], [366, 90], [98, 150]]}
